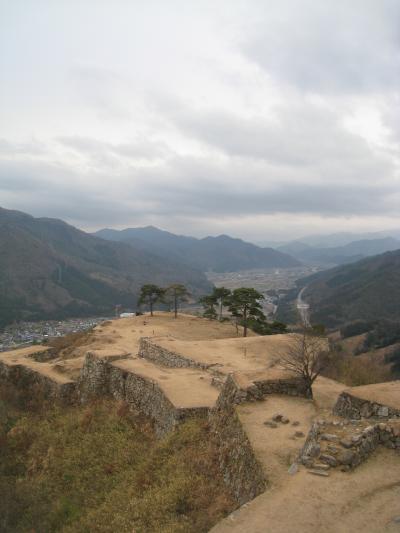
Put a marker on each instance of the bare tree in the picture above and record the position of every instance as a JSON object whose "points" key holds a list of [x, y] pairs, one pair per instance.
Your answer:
{"points": [[307, 356]]}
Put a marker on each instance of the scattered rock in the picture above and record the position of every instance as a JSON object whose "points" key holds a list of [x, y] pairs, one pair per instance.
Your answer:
{"points": [[346, 457], [295, 423], [277, 417], [307, 461], [321, 466], [383, 411], [332, 449], [293, 469], [285, 420], [270, 424], [298, 434], [315, 450], [328, 459], [346, 443], [329, 437], [316, 472]]}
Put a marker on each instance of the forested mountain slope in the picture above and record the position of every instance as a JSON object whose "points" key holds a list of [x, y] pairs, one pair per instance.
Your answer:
{"points": [[49, 269], [366, 290]]}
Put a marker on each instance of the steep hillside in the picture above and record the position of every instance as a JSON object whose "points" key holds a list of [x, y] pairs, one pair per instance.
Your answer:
{"points": [[348, 253], [366, 290], [219, 254], [51, 269]]}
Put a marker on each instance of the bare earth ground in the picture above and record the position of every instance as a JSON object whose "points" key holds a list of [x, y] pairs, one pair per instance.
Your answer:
{"points": [[232, 355], [366, 499], [276, 448]]}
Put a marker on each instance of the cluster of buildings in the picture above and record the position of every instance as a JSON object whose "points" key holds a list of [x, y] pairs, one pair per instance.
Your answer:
{"points": [[25, 333]]}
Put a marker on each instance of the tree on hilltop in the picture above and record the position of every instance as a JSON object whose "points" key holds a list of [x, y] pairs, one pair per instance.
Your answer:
{"points": [[244, 304], [178, 293], [151, 294]]}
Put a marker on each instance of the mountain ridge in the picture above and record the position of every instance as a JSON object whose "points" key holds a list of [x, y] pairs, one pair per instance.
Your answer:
{"points": [[221, 253]]}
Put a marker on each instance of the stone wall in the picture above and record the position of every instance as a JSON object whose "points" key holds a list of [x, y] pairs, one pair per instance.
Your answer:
{"points": [[350, 406], [241, 471], [153, 352], [99, 377], [324, 446], [290, 386], [25, 377]]}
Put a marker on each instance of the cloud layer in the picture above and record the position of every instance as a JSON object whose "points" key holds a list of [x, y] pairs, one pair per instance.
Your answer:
{"points": [[264, 120]]}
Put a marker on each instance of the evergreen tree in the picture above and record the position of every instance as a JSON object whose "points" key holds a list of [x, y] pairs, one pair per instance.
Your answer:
{"points": [[151, 294], [179, 293], [208, 302], [244, 303]]}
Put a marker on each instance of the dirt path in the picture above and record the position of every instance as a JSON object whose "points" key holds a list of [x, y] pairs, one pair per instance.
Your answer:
{"points": [[366, 500]]}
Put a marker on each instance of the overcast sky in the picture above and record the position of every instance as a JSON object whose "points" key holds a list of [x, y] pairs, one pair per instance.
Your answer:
{"points": [[260, 119]]}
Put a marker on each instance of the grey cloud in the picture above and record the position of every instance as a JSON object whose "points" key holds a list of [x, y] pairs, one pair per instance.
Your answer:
{"points": [[329, 46], [138, 149], [193, 188]]}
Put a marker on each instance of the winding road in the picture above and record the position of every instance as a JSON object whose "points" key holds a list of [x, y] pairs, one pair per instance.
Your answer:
{"points": [[303, 308]]}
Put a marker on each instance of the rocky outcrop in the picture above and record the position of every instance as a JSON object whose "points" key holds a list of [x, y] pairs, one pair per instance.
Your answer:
{"points": [[351, 406]]}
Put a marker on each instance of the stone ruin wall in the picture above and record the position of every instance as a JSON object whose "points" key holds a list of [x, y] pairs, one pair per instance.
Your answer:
{"points": [[159, 355], [99, 377], [242, 473], [25, 377], [349, 406], [289, 386], [351, 451]]}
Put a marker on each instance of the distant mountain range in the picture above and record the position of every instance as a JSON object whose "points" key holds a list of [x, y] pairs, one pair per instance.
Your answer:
{"points": [[365, 290], [49, 269], [337, 255], [218, 254]]}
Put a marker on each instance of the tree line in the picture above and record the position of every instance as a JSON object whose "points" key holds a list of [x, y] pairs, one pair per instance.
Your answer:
{"points": [[151, 294], [242, 304]]}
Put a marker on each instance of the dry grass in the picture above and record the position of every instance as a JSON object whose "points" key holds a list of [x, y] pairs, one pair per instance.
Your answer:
{"points": [[356, 370], [99, 469]]}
